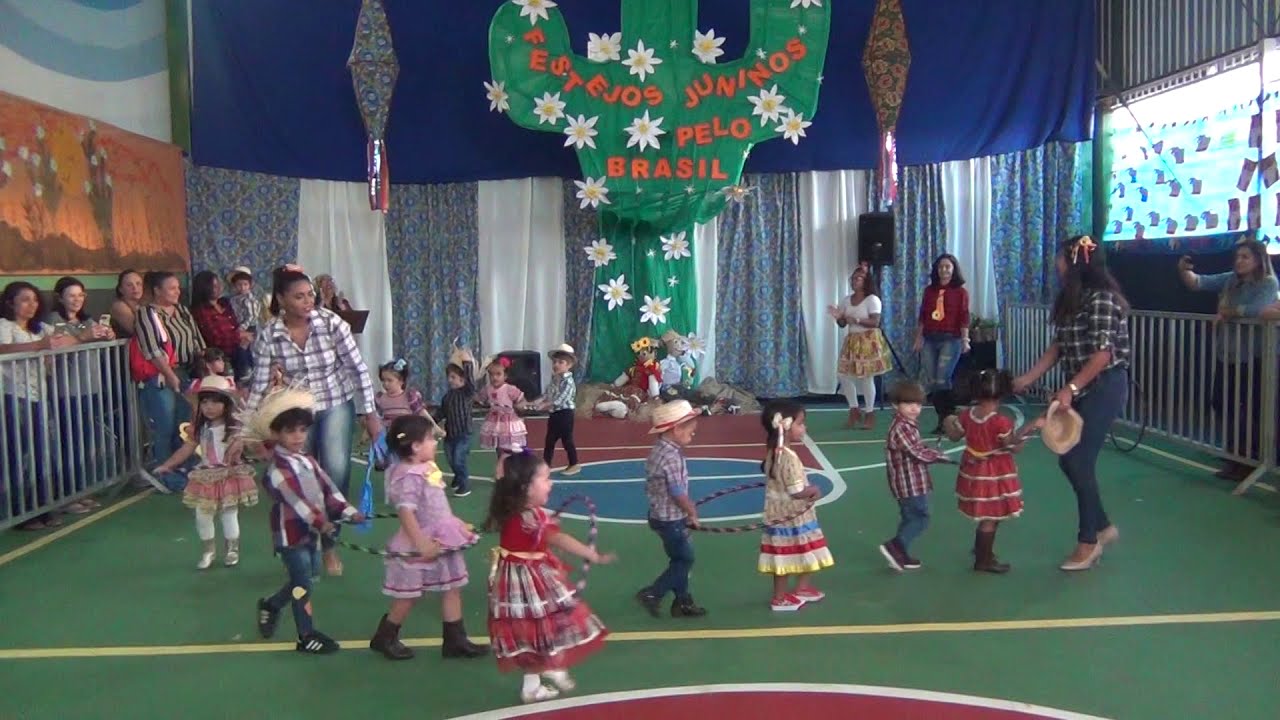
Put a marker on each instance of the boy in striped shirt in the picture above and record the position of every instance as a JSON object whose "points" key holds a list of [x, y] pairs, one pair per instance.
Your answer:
{"points": [[455, 414]]}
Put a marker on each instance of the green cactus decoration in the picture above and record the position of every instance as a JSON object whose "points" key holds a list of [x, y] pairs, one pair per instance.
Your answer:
{"points": [[661, 131]]}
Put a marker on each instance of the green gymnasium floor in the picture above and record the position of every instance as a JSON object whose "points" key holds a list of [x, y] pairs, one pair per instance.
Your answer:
{"points": [[108, 618]]}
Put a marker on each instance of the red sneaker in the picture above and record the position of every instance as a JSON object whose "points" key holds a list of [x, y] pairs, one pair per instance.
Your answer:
{"points": [[786, 603], [810, 594]]}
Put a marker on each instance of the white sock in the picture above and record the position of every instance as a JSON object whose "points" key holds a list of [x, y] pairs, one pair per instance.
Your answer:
{"points": [[204, 525], [556, 676], [231, 524], [532, 682]]}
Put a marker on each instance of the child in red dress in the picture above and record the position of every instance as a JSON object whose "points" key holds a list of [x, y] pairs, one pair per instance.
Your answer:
{"points": [[536, 621], [987, 486]]}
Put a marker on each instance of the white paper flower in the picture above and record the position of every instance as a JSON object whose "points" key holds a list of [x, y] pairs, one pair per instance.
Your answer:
{"points": [[768, 105], [615, 292], [706, 46], [604, 47], [644, 132], [641, 61], [534, 9], [549, 108], [675, 246], [93, 160], [592, 192], [673, 281], [655, 310], [39, 132], [581, 131], [2, 145], [805, 3], [53, 165], [792, 127], [697, 346], [601, 252], [23, 152], [39, 190], [103, 153], [108, 181], [88, 187], [6, 169], [499, 100]]}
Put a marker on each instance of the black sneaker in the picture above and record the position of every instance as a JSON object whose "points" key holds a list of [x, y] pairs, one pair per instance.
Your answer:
{"points": [[893, 555], [910, 563], [651, 602], [461, 492], [317, 643], [267, 618], [686, 608]]}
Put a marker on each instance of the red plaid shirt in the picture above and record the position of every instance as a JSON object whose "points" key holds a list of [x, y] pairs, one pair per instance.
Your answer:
{"points": [[908, 459], [217, 324], [304, 498]]}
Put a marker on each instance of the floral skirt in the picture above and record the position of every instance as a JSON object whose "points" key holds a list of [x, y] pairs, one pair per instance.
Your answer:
{"points": [[865, 354], [536, 621], [213, 489]]}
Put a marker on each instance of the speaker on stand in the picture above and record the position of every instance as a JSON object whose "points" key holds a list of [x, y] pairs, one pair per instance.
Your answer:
{"points": [[525, 371], [876, 245]]}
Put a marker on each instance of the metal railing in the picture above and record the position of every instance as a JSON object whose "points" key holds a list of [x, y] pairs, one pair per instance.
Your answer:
{"points": [[69, 427], [1212, 386]]}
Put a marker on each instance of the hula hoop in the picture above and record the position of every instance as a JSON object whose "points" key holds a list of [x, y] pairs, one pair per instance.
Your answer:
{"points": [[592, 531], [387, 553], [721, 530]]}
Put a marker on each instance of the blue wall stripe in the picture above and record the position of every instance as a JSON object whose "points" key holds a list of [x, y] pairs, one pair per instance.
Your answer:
{"points": [[68, 57]]}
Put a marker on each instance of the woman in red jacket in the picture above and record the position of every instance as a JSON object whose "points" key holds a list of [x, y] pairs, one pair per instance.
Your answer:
{"points": [[942, 334], [217, 322]]}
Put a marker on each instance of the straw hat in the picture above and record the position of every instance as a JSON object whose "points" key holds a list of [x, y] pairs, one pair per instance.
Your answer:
{"points": [[256, 427], [671, 414], [215, 384], [1062, 429], [565, 350]]}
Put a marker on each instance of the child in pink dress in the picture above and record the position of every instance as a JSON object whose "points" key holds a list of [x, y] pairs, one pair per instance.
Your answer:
{"points": [[987, 487], [503, 430], [415, 486]]}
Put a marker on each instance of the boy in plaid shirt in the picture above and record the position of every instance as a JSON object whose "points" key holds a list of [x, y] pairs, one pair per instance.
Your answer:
{"points": [[907, 460]]}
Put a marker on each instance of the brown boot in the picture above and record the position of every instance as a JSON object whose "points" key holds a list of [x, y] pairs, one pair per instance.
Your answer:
{"points": [[387, 641], [984, 557], [869, 421], [852, 422]]}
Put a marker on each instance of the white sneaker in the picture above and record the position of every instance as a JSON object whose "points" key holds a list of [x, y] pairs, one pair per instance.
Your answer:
{"points": [[541, 693], [206, 560], [154, 482], [561, 679]]}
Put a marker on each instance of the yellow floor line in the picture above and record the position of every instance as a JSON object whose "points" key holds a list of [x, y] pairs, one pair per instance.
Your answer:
{"points": [[65, 531], [679, 635]]}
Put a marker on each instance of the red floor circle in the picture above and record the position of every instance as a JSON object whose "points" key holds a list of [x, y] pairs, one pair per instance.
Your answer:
{"points": [[769, 702]]}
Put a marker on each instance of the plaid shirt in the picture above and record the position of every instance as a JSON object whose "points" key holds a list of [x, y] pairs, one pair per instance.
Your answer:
{"points": [[303, 498], [561, 391], [455, 411], [247, 309], [907, 459], [217, 325], [329, 366], [1100, 325], [666, 478]]}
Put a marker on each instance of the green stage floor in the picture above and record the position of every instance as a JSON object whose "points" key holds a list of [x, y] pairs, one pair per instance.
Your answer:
{"points": [[1182, 619]]}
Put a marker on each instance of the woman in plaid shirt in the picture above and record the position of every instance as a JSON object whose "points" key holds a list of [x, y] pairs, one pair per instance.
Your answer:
{"points": [[1091, 340], [314, 348]]}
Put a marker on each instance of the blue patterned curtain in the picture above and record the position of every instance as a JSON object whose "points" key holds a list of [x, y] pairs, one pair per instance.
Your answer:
{"points": [[760, 343], [920, 223], [433, 250], [1037, 200], [240, 218], [581, 227]]}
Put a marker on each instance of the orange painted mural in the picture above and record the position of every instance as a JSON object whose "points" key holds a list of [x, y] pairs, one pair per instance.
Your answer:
{"points": [[79, 196]]}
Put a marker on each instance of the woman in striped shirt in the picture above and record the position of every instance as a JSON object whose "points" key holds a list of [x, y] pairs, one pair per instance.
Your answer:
{"points": [[163, 321], [314, 347]]}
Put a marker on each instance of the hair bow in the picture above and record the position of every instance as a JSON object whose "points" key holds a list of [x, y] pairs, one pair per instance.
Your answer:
{"points": [[1086, 244], [782, 425], [400, 364]]}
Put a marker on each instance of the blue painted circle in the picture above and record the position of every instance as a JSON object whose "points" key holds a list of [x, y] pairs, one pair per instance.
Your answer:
{"points": [[617, 488]]}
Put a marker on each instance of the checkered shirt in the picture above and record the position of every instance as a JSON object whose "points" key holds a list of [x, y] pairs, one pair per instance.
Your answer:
{"points": [[247, 309], [303, 498], [561, 392], [1100, 325], [666, 478], [330, 365], [907, 459]]}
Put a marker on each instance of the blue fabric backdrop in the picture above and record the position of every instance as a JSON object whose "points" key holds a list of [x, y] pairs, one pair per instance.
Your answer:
{"points": [[272, 92], [236, 218]]}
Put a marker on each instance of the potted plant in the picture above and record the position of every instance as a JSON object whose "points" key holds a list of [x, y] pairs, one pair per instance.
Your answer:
{"points": [[982, 330]]}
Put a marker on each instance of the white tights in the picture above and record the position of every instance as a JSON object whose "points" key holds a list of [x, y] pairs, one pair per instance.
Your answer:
{"points": [[230, 524], [852, 387]]}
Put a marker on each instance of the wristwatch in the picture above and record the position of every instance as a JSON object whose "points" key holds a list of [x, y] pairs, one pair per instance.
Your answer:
{"points": [[1075, 391]]}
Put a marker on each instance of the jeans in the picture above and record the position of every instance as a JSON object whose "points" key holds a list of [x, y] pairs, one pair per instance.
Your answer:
{"points": [[242, 363], [298, 562], [330, 443], [938, 360], [176, 479], [80, 446], [24, 448], [914, 514], [164, 410], [1099, 407], [455, 451], [676, 543]]}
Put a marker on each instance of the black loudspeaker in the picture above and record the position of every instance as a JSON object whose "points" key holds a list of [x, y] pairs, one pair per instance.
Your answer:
{"points": [[875, 238], [525, 371]]}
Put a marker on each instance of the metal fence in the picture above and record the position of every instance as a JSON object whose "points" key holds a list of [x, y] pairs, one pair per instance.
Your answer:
{"points": [[69, 427], [1209, 385]]}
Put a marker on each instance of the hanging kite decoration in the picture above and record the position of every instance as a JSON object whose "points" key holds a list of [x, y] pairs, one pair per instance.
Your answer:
{"points": [[662, 128], [374, 69], [885, 61]]}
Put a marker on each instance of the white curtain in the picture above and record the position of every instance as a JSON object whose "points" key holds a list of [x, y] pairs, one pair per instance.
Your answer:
{"points": [[340, 236], [706, 239], [830, 203], [522, 267], [966, 191]]}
